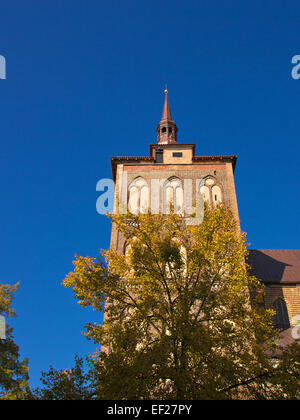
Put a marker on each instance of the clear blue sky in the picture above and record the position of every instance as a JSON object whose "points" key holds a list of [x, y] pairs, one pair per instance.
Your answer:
{"points": [[85, 82]]}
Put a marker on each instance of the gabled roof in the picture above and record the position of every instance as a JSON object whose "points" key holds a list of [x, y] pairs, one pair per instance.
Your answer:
{"points": [[275, 266]]}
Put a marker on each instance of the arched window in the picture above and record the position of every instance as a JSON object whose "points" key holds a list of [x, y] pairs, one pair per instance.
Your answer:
{"points": [[281, 318], [204, 191], [138, 196], [173, 194], [216, 194], [210, 190]]}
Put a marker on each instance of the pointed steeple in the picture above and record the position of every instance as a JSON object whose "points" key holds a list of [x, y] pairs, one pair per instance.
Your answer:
{"points": [[166, 129], [166, 115]]}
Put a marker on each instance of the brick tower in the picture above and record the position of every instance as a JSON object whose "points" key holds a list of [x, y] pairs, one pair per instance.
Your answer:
{"points": [[172, 172], [177, 172]]}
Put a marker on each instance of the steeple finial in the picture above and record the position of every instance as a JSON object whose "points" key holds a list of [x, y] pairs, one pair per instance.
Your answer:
{"points": [[166, 115], [166, 129]]}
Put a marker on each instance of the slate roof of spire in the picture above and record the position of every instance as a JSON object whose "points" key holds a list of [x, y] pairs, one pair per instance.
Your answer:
{"points": [[166, 115]]}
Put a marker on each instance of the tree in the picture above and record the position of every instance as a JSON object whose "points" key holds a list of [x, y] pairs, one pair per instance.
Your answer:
{"points": [[13, 372], [68, 384], [183, 317]]}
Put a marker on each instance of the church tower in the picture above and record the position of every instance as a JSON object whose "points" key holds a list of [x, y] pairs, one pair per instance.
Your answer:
{"points": [[172, 171]]}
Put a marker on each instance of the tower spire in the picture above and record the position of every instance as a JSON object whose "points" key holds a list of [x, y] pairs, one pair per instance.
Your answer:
{"points": [[166, 129], [166, 115]]}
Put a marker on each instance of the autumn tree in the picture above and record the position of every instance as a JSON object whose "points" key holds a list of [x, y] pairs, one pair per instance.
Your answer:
{"points": [[13, 371], [76, 383], [183, 317]]}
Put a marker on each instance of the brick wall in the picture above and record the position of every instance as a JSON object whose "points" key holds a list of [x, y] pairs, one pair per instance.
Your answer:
{"points": [[221, 172], [289, 293]]}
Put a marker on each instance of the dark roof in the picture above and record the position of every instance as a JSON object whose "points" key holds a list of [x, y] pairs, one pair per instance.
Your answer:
{"points": [[232, 158], [275, 266], [118, 159], [131, 159]]}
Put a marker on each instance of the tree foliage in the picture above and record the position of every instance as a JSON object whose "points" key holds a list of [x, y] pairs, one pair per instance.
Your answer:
{"points": [[179, 321], [13, 372], [67, 384]]}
